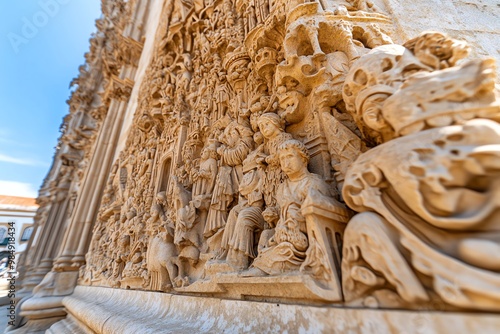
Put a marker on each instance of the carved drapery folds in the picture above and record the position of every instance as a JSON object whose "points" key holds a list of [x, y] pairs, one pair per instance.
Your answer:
{"points": [[262, 124]]}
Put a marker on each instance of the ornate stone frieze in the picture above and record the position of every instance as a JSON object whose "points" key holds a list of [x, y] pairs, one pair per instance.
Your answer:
{"points": [[129, 50], [255, 125], [248, 123], [289, 151]]}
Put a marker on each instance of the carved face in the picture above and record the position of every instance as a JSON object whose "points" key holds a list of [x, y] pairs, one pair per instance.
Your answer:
{"points": [[292, 104], [205, 154], [231, 135], [160, 198], [268, 128], [374, 78], [376, 126], [292, 162]]}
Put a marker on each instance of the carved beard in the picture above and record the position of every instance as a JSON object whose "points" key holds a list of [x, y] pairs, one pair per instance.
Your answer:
{"points": [[291, 233]]}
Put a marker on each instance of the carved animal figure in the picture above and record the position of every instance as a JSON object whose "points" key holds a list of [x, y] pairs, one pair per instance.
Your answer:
{"points": [[161, 258], [186, 237], [180, 195]]}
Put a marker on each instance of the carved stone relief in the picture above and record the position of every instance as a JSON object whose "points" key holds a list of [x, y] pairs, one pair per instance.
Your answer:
{"points": [[288, 150], [427, 193]]}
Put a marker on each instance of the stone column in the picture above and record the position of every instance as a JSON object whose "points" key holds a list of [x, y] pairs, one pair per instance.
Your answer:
{"points": [[75, 241], [45, 307], [44, 247]]}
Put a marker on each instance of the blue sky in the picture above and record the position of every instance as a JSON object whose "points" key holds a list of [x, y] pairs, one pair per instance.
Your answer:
{"points": [[42, 43]]}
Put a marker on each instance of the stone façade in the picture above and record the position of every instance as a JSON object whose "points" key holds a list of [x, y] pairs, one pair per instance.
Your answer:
{"points": [[271, 151]]}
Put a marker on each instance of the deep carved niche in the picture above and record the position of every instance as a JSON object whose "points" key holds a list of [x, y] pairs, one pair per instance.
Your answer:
{"points": [[165, 172]]}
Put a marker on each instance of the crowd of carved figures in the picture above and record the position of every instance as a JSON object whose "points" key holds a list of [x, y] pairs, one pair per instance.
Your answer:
{"points": [[294, 139]]}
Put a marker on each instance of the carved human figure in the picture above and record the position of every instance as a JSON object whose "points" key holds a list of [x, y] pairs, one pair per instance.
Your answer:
{"points": [[236, 144], [250, 16], [221, 96], [245, 221], [272, 128], [147, 158], [204, 178], [134, 226], [262, 10], [157, 215], [187, 237], [162, 252], [184, 75], [120, 258], [65, 174], [286, 250]]}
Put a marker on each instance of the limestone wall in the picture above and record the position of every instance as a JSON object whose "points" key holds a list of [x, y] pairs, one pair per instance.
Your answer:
{"points": [[477, 22], [315, 153]]}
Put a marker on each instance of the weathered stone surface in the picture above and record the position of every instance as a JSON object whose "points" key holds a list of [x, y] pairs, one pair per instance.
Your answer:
{"points": [[104, 310], [280, 152]]}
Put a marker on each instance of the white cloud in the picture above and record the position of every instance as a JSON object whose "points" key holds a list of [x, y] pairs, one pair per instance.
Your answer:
{"points": [[17, 161], [21, 189]]}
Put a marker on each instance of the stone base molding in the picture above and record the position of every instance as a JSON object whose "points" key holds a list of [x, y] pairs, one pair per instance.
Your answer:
{"points": [[105, 310]]}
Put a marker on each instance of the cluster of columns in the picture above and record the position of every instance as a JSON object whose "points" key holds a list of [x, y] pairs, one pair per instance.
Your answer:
{"points": [[63, 226]]}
